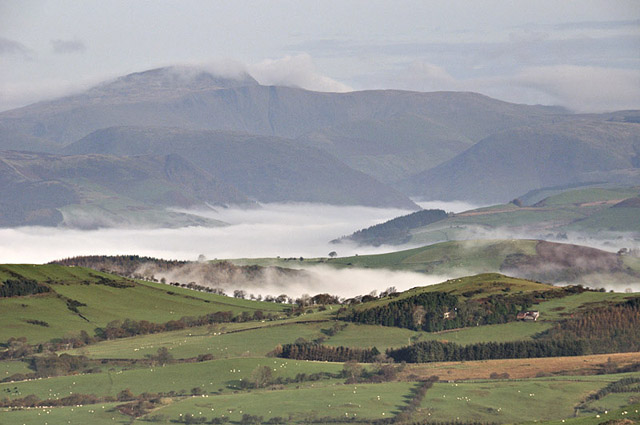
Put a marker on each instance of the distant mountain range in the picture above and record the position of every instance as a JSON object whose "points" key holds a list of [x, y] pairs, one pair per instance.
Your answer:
{"points": [[374, 148]]}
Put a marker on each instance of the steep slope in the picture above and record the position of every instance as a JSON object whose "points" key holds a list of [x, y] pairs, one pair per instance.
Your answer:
{"points": [[47, 189], [268, 169], [504, 165], [71, 299]]}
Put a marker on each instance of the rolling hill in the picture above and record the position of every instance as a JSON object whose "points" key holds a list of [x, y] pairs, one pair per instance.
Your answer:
{"points": [[530, 259], [71, 299], [600, 212], [101, 190], [98, 348]]}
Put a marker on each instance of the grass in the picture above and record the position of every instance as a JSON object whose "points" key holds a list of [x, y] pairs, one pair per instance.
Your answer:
{"points": [[505, 402], [588, 195], [55, 273], [480, 256], [97, 414], [488, 283], [574, 366], [240, 348], [10, 367], [205, 340], [150, 301], [630, 412], [559, 308], [212, 376], [383, 337], [362, 401], [620, 219]]}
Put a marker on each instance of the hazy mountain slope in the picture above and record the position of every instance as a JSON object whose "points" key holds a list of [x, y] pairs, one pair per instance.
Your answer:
{"points": [[198, 100], [45, 188], [269, 169], [512, 162], [392, 148], [14, 140]]}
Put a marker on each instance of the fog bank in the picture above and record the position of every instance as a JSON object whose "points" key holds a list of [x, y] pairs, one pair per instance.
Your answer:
{"points": [[312, 280], [287, 230]]}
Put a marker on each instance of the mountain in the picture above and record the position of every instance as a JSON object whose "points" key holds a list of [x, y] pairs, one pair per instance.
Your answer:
{"points": [[509, 163], [391, 148], [291, 144], [195, 99], [96, 190], [269, 169]]}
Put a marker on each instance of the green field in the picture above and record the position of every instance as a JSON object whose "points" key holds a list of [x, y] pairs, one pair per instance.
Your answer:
{"points": [[221, 341], [141, 300], [505, 402], [98, 414], [363, 401], [590, 210], [212, 388], [212, 377]]}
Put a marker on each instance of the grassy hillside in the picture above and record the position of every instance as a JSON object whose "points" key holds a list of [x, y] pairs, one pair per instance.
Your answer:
{"points": [[595, 211], [223, 372], [101, 298], [530, 259]]}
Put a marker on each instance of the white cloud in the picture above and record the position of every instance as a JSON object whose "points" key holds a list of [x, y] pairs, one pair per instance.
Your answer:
{"points": [[68, 46], [585, 88], [287, 230], [296, 71], [578, 88], [12, 47]]}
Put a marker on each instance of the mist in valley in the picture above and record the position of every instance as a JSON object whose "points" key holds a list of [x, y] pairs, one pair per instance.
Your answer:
{"points": [[274, 230], [286, 230]]}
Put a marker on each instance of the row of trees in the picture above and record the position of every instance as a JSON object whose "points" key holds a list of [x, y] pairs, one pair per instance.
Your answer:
{"points": [[612, 328], [311, 351], [437, 351], [19, 287]]}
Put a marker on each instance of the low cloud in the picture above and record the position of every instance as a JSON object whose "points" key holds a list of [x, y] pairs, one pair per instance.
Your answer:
{"points": [[585, 88], [17, 94], [296, 71], [64, 47], [308, 280], [287, 230], [578, 88], [12, 47]]}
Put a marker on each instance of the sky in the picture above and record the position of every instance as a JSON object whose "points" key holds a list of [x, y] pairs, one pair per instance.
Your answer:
{"points": [[583, 55]]}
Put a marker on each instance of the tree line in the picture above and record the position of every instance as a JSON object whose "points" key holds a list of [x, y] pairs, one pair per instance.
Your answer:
{"points": [[312, 351], [437, 351], [397, 230]]}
